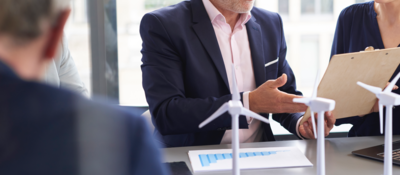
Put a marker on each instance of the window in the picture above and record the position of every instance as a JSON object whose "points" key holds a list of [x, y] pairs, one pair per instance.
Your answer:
{"points": [[79, 12], [316, 7], [326, 6], [288, 54], [361, 1], [309, 53], [283, 8], [77, 35], [129, 15], [308, 6], [153, 4]]}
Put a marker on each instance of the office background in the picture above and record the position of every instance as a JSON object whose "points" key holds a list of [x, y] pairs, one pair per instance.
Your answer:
{"points": [[104, 40]]}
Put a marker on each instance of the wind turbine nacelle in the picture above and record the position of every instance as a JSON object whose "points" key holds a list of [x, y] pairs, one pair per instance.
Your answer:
{"points": [[322, 104], [235, 107], [389, 99]]}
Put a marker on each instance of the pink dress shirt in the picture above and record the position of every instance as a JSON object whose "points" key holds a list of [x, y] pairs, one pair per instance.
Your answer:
{"points": [[235, 48]]}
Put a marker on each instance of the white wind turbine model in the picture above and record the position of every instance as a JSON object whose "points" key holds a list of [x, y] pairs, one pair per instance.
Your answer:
{"points": [[235, 108], [319, 105], [389, 99]]}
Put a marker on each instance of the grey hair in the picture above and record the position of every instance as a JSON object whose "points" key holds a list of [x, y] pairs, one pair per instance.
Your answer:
{"points": [[22, 19]]}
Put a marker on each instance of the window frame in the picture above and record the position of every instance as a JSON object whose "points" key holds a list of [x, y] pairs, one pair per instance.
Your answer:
{"points": [[104, 49]]}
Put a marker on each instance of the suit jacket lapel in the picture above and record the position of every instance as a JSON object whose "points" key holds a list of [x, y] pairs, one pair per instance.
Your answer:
{"points": [[206, 34], [257, 51]]}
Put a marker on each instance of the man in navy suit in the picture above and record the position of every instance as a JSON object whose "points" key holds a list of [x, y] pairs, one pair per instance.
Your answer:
{"points": [[46, 130], [188, 50]]}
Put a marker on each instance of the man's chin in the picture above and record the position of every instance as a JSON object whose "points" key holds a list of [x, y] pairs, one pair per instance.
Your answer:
{"points": [[246, 10], [246, 7]]}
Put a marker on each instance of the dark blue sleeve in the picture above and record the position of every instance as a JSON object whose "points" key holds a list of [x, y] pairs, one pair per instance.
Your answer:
{"points": [[288, 121], [163, 81], [145, 152]]}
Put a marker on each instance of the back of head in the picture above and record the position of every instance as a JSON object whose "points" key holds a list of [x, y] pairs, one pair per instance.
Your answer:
{"points": [[23, 19], [30, 32]]}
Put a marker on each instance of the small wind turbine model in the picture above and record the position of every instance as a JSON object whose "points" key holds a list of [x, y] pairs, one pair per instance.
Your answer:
{"points": [[235, 108], [319, 105], [389, 99]]}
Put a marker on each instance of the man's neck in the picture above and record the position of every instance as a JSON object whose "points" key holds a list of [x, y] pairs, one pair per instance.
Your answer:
{"points": [[388, 12], [231, 17], [22, 61]]}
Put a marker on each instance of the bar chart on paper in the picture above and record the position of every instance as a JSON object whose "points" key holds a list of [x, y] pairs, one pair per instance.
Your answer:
{"points": [[250, 158], [207, 159]]}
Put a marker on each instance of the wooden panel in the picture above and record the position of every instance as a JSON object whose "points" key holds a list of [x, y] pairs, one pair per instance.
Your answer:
{"points": [[339, 82]]}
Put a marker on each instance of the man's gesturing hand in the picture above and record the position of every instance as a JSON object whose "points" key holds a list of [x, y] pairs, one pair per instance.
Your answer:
{"points": [[269, 99], [306, 129]]}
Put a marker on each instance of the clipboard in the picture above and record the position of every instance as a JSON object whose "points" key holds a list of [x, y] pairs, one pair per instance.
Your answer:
{"points": [[339, 82]]}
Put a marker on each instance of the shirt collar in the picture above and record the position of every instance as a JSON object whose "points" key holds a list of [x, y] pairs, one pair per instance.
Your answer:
{"points": [[215, 14]]}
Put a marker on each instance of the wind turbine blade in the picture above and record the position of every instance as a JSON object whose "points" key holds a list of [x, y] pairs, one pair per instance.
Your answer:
{"points": [[313, 124], [216, 114], [314, 94], [391, 85], [381, 117], [254, 115], [302, 100], [373, 89], [235, 90]]}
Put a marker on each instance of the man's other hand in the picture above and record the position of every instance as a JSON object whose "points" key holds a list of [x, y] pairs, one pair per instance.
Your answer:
{"points": [[306, 129], [269, 99]]}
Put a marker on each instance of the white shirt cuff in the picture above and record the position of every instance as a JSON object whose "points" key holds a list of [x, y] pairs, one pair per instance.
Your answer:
{"points": [[297, 128], [247, 105]]}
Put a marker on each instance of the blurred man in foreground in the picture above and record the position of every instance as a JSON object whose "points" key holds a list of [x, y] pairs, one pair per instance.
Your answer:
{"points": [[45, 130]]}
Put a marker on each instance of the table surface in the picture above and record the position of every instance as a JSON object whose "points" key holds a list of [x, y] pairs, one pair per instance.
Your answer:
{"points": [[339, 159]]}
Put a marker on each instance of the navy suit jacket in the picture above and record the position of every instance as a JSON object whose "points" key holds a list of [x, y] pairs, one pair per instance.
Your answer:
{"points": [[357, 28], [184, 76], [45, 130]]}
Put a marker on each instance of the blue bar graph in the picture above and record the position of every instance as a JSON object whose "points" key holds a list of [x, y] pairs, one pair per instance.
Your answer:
{"points": [[211, 158], [207, 159], [227, 156], [204, 160]]}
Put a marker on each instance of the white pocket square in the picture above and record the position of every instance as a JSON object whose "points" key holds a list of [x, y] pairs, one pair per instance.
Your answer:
{"points": [[272, 62]]}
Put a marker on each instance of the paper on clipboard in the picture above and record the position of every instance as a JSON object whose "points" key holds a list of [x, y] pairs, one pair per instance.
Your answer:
{"points": [[339, 82]]}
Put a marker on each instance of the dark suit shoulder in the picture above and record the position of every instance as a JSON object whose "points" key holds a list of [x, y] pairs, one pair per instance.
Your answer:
{"points": [[34, 96], [173, 12], [259, 12], [267, 18]]}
